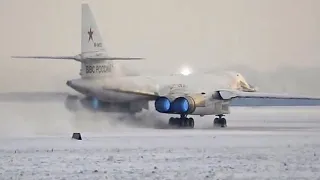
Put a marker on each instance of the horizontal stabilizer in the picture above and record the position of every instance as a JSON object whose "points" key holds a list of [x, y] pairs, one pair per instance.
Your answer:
{"points": [[97, 58], [45, 57]]}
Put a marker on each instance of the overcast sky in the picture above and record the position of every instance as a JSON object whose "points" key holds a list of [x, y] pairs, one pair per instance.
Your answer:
{"points": [[261, 34]]}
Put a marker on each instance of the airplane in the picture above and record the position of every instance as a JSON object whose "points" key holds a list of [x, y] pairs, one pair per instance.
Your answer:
{"points": [[100, 89]]}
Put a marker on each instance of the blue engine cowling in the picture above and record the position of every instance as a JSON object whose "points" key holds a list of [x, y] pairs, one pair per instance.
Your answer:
{"points": [[181, 105], [163, 105]]}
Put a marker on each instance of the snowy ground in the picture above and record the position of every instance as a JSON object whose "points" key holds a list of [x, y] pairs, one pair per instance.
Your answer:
{"points": [[260, 143]]}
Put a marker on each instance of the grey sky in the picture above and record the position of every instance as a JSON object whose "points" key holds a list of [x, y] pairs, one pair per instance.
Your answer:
{"points": [[261, 34]]}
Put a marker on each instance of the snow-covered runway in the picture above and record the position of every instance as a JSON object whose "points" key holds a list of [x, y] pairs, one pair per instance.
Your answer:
{"points": [[260, 143]]}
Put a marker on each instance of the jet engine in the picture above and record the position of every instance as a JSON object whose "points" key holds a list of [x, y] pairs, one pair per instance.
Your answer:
{"points": [[184, 105], [163, 104], [75, 103], [179, 105]]}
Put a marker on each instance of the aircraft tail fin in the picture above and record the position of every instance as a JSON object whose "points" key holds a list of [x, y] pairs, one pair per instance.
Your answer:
{"points": [[241, 84], [95, 61], [91, 39]]}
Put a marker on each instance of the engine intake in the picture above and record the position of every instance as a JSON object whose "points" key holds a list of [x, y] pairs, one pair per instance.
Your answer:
{"points": [[180, 105], [184, 105], [163, 104]]}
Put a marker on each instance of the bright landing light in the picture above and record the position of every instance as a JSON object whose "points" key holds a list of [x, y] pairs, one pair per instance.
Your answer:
{"points": [[185, 71]]}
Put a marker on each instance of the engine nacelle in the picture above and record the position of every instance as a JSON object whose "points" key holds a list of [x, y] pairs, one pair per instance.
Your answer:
{"points": [[180, 105], [184, 105], [74, 104], [163, 104]]}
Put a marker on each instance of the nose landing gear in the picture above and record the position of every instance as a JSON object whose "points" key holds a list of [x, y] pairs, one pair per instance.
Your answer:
{"points": [[220, 121]]}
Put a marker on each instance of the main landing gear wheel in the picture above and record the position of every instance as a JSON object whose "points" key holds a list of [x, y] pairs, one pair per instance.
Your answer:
{"points": [[220, 121], [182, 122]]}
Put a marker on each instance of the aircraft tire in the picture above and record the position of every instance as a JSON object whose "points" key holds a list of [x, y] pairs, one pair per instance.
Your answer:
{"points": [[182, 122], [191, 123], [220, 122], [223, 122], [216, 122], [171, 121]]}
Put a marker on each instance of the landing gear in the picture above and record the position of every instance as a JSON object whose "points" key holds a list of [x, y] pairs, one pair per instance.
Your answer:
{"points": [[220, 121], [183, 121]]}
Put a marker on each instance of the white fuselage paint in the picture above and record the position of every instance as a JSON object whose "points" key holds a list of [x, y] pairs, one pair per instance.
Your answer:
{"points": [[213, 107], [198, 83]]}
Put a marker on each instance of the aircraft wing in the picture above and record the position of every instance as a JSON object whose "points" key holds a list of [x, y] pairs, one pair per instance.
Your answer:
{"points": [[146, 95], [265, 99]]}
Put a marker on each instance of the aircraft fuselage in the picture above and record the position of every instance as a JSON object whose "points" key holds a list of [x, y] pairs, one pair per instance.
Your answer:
{"points": [[204, 83]]}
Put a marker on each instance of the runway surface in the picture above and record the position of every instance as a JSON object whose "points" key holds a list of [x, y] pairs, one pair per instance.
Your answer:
{"points": [[259, 143]]}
